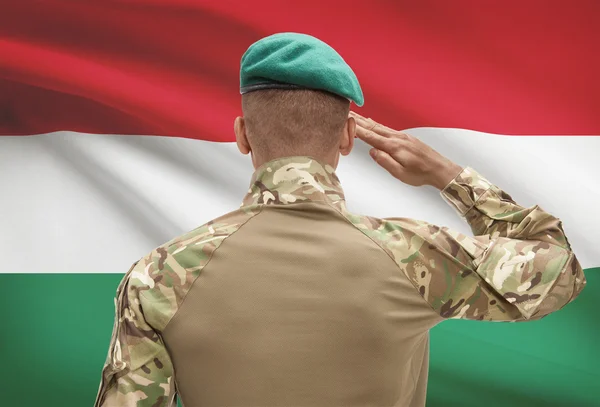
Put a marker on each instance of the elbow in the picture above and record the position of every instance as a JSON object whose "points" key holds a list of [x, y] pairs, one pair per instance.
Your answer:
{"points": [[576, 277], [567, 286]]}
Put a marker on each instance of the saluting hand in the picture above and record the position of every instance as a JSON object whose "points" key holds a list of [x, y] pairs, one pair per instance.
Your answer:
{"points": [[405, 157]]}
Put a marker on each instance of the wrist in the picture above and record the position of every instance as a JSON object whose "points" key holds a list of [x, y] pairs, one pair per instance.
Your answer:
{"points": [[445, 175]]}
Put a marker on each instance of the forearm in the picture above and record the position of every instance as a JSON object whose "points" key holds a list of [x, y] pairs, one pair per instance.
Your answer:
{"points": [[491, 211], [528, 258]]}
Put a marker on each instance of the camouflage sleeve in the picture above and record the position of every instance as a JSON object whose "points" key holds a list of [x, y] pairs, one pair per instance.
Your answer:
{"points": [[138, 370], [491, 211], [519, 266]]}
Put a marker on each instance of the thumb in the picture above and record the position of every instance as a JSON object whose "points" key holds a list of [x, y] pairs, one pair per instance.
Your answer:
{"points": [[387, 162]]}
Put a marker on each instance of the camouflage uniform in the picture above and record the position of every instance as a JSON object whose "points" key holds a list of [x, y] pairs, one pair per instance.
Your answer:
{"points": [[294, 300]]}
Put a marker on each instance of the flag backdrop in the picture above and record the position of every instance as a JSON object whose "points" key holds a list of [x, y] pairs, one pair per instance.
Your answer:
{"points": [[117, 116]]}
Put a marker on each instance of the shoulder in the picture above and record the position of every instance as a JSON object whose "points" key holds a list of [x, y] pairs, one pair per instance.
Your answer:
{"points": [[203, 239], [404, 237], [392, 235], [419, 248], [162, 278]]}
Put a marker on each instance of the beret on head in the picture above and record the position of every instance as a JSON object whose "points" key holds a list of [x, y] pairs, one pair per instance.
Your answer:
{"points": [[297, 61]]}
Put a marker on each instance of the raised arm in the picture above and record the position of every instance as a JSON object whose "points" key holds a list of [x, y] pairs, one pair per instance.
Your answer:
{"points": [[518, 266]]}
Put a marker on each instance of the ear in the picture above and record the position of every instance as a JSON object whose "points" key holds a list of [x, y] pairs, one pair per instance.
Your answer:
{"points": [[348, 135], [239, 126]]}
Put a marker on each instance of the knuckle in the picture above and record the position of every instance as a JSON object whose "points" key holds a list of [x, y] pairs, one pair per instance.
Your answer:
{"points": [[411, 147], [396, 146]]}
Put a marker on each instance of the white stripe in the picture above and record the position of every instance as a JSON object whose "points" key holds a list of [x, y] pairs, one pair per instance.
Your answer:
{"points": [[92, 203]]}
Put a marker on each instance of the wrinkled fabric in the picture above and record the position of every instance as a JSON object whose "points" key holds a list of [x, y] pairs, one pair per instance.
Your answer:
{"points": [[138, 370], [518, 266]]}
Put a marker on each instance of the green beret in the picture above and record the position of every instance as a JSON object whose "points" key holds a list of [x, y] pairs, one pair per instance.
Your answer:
{"points": [[297, 61]]}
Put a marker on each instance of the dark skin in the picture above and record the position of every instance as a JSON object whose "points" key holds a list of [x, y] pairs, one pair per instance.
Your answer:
{"points": [[345, 145], [405, 157]]}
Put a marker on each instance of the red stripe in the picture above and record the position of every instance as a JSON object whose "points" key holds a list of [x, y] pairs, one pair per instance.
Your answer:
{"points": [[170, 67]]}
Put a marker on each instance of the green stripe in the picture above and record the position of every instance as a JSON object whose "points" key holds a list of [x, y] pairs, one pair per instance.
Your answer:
{"points": [[56, 330]]}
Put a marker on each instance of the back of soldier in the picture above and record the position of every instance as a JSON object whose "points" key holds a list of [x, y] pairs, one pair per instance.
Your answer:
{"points": [[292, 300], [298, 307]]}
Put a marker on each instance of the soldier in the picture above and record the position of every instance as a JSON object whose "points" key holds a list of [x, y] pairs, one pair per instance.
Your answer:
{"points": [[292, 300]]}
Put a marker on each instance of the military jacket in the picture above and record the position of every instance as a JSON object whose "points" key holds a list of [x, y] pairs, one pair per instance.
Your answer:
{"points": [[292, 300]]}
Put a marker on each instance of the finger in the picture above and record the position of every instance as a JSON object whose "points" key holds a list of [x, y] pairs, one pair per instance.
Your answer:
{"points": [[364, 122], [360, 117], [390, 145], [375, 140], [387, 162], [356, 115], [379, 128]]}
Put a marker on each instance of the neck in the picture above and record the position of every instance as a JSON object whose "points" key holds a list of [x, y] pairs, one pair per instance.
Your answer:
{"points": [[331, 159]]}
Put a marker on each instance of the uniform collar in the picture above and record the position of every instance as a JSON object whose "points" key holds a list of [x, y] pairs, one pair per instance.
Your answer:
{"points": [[294, 179]]}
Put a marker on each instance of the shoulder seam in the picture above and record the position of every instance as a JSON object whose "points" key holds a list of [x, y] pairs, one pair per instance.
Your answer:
{"points": [[391, 258], [261, 206]]}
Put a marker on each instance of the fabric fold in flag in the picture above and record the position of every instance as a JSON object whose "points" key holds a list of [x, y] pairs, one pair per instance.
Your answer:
{"points": [[129, 194], [115, 129], [162, 67]]}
